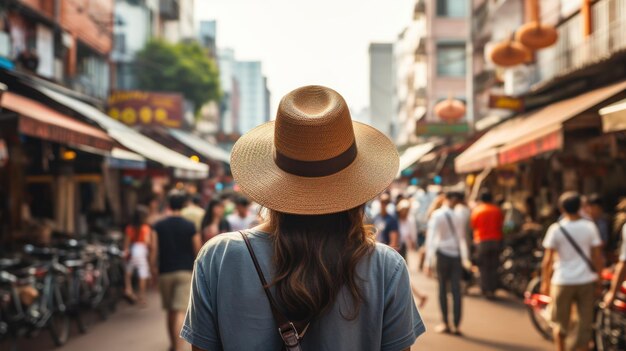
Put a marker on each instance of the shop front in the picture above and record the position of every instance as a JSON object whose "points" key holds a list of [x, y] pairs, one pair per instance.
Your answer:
{"points": [[536, 156], [50, 176]]}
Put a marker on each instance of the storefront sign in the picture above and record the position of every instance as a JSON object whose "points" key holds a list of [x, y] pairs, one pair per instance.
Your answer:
{"points": [[146, 108], [506, 103], [549, 142], [4, 153], [441, 129]]}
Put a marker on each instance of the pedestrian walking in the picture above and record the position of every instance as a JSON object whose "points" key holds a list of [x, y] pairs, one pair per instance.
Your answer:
{"points": [[175, 247], [387, 224], [572, 258], [446, 249], [314, 169], [242, 218], [214, 222], [487, 222], [407, 227], [136, 249], [193, 212], [593, 207]]}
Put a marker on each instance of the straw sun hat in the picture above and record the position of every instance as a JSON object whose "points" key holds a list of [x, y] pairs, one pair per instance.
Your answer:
{"points": [[313, 159]]}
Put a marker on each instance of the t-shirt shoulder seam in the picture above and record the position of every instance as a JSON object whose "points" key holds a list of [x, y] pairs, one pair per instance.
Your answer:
{"points": [[396, 272]]}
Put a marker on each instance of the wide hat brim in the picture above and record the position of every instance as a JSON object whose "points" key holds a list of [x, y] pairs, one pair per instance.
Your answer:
{"points": [[258, 176]]}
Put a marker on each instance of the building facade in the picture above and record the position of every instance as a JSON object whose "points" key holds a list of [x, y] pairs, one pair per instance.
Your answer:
{"points": [[410, 78], [445, 51], [176, 20], [382, 87], [570, 134], [65, 41], [135, 24]]}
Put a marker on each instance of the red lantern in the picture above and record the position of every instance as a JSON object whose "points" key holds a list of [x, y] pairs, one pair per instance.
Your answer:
{"points": [[535, 35], [450, 110]]}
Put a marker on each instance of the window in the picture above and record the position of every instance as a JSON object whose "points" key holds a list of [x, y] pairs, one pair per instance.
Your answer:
{"points": [[451, 59], [119, 42], [452, 8]]}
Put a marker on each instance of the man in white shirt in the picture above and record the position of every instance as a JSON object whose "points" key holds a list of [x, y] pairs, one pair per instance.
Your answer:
{"points": [[242, 218], [573, 255], [620, 271], [445, 242]]}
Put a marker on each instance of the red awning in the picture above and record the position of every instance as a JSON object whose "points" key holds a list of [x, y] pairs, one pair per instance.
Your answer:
{"points": [[531, 134], [41, 121]]}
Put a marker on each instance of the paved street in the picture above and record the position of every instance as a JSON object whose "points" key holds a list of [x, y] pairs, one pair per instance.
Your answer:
{"points": [[502, 325], [487, 326]]}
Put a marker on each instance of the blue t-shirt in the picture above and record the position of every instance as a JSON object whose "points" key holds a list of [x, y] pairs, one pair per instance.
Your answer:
{"points": [[228, 309], [385, 225]]}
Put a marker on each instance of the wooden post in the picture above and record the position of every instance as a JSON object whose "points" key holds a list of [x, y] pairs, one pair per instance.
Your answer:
{"points": [[585, 12], [532, 11]]}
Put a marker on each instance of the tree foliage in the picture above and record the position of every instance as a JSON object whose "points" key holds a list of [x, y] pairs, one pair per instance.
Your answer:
{"points": [[183, 67]]}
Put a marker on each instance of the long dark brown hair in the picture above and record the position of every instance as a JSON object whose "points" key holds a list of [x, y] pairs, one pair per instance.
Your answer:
{"points": [[315, 256]]}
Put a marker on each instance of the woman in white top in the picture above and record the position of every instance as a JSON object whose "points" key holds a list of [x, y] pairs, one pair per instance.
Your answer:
{"points": [[408, 237]]}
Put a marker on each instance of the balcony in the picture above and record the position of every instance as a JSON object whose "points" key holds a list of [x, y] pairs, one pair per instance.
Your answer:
{"points": [[607, 39], [169, 9]]}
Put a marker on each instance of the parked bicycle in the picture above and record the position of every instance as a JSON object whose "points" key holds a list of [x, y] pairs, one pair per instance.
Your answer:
{"points": [[520, 259], [33, 298], [610, 321], [48, 287]]}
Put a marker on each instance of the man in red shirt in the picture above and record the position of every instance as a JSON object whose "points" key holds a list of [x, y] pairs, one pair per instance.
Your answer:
{"points": [[487, 221]]}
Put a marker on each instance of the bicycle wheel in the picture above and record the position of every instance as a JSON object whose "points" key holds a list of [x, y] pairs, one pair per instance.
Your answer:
{"points": [[115, 290], [59, 322], [609, 330], [537, 315]]}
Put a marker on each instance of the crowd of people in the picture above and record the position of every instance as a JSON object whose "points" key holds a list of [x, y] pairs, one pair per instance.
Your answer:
{"points": [[451, 238], [440, 227], [319, 216], [161, 246]]}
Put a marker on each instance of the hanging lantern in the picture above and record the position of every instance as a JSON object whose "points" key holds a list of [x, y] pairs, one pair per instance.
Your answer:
{"points": [[450, 110], [535, 35], [509, 53]]}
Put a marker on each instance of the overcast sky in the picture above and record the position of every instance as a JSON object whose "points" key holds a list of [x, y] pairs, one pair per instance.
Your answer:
{"points": [[308, 42]]}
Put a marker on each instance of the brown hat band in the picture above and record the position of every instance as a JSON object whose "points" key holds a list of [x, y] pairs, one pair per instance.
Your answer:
{"points": [[316, 168]]}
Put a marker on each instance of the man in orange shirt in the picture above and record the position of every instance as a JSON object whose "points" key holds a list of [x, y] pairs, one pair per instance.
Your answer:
{"points": [[487, 221]]}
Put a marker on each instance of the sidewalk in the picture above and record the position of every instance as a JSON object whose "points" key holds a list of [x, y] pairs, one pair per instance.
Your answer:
{"points": [[129, 328]]}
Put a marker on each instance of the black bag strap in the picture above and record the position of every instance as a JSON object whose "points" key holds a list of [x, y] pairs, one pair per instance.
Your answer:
{"points": [[578, 249], [287, 329]]}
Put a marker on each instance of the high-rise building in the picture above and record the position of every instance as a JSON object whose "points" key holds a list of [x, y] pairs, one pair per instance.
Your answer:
{"points": [[229, 106], [382, 87], [267, 100], [252, 93], [208, 35]]}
